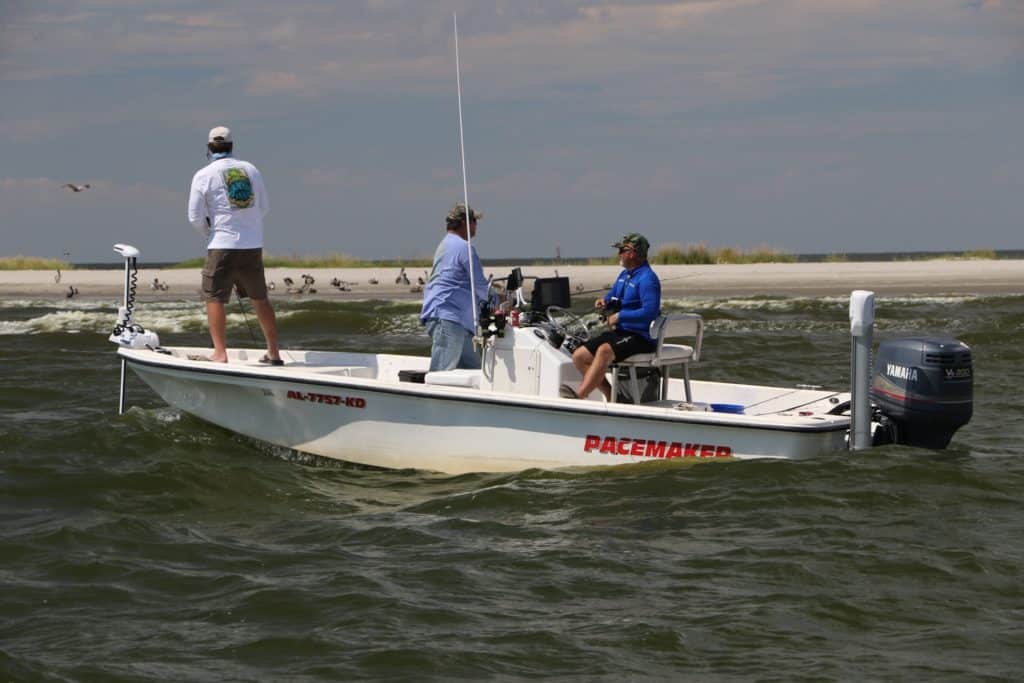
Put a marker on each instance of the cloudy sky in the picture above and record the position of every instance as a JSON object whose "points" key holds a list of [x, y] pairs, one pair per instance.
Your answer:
{"points": [[806, 125]]}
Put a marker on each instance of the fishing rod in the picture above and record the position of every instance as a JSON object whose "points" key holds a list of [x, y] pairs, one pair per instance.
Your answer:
{"points": [[465, 184], [602, 289]]}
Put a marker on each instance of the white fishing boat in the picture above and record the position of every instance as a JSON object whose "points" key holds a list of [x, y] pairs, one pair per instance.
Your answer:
{"points": [[386, 410]]}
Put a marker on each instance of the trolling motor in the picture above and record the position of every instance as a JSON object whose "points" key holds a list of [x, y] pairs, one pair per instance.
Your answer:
{"points": [[126, 333]]}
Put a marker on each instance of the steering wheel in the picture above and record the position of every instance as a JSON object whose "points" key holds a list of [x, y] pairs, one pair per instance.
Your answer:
{"points": [[568, 323]]}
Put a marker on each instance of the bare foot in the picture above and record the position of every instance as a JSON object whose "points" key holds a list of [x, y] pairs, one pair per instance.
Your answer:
{"points": [[211, 359]]}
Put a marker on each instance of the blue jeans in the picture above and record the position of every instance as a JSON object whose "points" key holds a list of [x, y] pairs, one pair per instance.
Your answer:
{"points": [[452, 346]]}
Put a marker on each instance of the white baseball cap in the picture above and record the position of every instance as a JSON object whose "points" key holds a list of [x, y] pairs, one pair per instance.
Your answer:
{"points": [[220, 134]]}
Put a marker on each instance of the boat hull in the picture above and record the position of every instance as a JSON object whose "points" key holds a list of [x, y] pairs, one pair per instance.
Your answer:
{"points": [[454, 430]]}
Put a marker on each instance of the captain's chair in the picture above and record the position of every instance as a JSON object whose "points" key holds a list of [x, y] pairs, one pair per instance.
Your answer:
{"points": [[665, 355]]}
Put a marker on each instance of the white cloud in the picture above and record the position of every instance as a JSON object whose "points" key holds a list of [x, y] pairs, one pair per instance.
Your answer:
{"points": [[570, 103], [698, 49]]}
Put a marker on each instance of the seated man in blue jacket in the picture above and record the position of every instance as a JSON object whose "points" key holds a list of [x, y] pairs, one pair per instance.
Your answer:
{"points": [[633, 303]]}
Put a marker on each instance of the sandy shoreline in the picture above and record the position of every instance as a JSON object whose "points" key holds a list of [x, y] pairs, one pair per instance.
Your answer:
{"points": [[779, 279]]}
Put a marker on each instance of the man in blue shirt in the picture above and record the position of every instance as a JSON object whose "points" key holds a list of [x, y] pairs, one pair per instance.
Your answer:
{"points": [[633, 303], [447, 303]]}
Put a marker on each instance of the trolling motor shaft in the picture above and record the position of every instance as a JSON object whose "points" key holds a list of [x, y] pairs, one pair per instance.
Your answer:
{"points": [[126, 333]]}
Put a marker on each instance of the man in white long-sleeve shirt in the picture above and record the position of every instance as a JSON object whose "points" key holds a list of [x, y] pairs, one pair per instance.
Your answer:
{"points": [[226, 204]]}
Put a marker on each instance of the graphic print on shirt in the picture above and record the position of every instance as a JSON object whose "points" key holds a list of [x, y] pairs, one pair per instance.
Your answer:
{"points": [[239, 187]]}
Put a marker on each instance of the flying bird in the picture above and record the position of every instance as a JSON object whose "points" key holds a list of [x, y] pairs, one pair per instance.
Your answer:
{"points": [[76, 188]]}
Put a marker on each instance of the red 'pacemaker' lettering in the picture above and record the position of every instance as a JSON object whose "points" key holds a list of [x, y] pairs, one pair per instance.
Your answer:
{"points": [[644, 448], [328, 399]]}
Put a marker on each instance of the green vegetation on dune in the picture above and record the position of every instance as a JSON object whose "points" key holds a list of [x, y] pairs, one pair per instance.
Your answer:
{"points": [[971, 255], [701, 254], [32, 263], [667, 254], [980, 254]]}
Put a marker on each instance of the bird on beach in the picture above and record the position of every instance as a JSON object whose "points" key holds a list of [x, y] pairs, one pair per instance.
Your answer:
{"points": [[402, 278], [76, 188], [72, 291], [374, 281], [56, 278], [422, 280], [271, 286]]}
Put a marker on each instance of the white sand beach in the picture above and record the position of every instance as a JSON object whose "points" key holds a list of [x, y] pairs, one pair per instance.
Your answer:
{"points": [[778, 279]]}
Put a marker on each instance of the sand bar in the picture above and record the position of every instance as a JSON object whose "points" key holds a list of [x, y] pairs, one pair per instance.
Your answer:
{"points": [[887, 278]]}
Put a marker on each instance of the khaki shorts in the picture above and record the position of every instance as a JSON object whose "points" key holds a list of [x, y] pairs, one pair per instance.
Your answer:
{"points": [[226, 268]]}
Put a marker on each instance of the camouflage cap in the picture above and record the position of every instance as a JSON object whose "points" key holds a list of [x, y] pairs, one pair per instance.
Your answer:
{"points": [[636, 241], [457, 213]]}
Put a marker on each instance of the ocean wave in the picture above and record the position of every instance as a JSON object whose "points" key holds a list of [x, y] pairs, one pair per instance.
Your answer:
{"points": [[783, 304], [160, 319]]}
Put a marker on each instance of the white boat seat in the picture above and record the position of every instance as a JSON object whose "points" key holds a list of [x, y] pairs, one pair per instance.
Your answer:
{"points": [[671, 354], [454, 378], [665, 356]]}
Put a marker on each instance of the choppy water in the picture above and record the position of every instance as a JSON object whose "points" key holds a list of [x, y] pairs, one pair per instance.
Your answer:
{"points": [[154, 547]]}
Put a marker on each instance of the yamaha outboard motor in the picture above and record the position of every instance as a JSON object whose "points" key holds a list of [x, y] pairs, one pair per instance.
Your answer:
{"points": [[924, 388]]}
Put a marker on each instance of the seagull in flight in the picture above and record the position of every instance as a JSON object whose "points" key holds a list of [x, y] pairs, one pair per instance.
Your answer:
{"points": [[76, 188]]}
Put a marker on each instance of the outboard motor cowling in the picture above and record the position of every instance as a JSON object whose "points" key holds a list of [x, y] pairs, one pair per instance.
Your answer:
{"points": [[924, 388]]}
